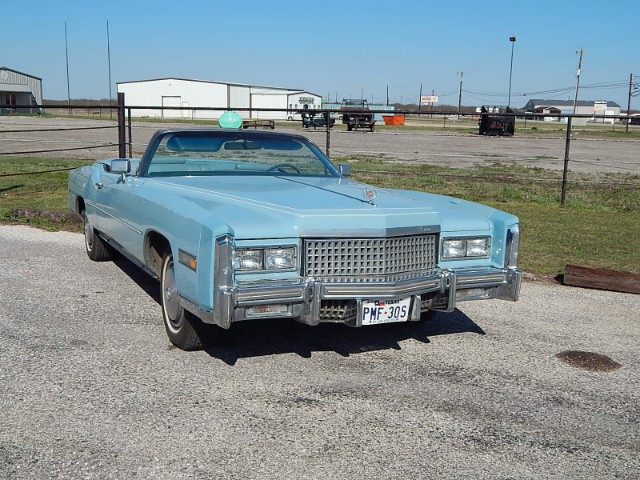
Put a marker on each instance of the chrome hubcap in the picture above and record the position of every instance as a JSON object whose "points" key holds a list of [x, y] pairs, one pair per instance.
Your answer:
{"points": [[170, 295], [88, 234]]}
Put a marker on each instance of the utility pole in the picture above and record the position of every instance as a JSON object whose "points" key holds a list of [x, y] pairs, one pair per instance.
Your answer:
{"points": [[575, 100], [420, 100], [626, 128], [512, 39], [109, 62], [387, 95], [66, 54], [433, 94], [460, 95]]}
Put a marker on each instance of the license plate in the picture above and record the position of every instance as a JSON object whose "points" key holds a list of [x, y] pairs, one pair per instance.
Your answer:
{"points": [[385, 311]]}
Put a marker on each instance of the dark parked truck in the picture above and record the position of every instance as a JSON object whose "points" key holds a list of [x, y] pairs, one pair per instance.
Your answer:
{"points": [[356, 114]]}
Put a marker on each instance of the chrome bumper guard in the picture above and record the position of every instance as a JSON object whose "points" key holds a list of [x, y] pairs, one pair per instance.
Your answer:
{"points": [[303, 299]]}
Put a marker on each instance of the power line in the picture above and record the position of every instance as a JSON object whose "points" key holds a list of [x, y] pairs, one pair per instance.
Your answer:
{"points": [[594, 86]]}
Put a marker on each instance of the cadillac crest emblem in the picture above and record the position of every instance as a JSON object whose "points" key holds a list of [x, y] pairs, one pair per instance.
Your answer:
{"points": [[369, 194]]}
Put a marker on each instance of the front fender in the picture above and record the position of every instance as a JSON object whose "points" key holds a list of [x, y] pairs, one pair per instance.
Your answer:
{"points": [[199, 240], [77, 187]]}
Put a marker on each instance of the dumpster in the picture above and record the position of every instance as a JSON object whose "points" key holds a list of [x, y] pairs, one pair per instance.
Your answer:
{"points": [[393, 119], [496, 124]]}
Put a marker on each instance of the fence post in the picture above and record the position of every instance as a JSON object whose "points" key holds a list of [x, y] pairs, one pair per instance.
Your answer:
{"points": [[327, 149], [122, 140], [566, 160], [130, 132]]}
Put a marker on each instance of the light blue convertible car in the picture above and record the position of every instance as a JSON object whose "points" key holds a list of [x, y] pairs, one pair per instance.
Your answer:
{"points": [[240, 225]]}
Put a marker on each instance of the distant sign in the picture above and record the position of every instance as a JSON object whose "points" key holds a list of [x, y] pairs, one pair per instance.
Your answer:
{"points": [[427, 99]]}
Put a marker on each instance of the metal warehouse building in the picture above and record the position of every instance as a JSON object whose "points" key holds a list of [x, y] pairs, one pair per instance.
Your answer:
{"points": [[17, 88], [583, 107], [177, 97]]}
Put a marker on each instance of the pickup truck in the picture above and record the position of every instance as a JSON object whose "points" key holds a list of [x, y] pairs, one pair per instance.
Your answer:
{"points": [[356, 114]]}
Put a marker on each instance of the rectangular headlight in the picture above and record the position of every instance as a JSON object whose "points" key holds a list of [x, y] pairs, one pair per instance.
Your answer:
{"points": [[453, 248], [257, 259], [279, 258], [478, 247], [473, 247], [248, 259]]}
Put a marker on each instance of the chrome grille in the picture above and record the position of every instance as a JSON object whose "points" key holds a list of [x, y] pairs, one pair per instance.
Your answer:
{"points": [[337, 310], [370, 259]]}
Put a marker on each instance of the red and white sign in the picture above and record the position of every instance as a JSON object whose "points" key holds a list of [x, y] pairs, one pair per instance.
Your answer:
{"points": [[427, 99]]}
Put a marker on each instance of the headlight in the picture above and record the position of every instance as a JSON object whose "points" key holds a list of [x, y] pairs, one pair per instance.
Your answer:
{"points": [[248, 259], [264, 259], [279, 258], [453, 248], [477, 247]]}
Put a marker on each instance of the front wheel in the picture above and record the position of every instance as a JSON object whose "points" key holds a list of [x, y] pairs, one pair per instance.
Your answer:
{"points": [[185, 330], [96, 249]]}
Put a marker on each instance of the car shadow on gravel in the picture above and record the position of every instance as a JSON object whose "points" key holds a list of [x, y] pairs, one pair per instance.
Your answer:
{"points": [[148, 284], [256, 338], [272, 337]]}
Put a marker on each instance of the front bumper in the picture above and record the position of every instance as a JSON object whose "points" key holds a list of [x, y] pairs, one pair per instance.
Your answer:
{"points": [[304, 300]]}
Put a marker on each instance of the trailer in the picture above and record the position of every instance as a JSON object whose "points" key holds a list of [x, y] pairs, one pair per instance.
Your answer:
{"points": [[258, 123]]}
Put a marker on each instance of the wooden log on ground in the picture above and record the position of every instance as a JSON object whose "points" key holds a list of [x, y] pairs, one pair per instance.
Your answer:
{"points": [[602, 279]]}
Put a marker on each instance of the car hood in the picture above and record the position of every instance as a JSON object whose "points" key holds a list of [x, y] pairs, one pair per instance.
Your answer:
{"points": [[285, 207]]}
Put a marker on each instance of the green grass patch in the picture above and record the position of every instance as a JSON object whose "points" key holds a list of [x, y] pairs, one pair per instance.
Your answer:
{"points": [[34, 191], [597, 227]]}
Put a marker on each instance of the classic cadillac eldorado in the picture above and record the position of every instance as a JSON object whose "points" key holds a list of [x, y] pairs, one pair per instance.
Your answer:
{"points": [[239, 225]]}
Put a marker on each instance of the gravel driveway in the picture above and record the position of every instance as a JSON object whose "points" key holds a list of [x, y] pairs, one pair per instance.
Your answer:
{"points": [[91, 387]]}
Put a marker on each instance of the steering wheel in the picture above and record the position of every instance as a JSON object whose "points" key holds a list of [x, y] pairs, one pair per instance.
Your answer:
{"points": [[282, 166]]}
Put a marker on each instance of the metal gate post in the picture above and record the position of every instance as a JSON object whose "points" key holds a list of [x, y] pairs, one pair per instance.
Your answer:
{"points": [[130, 133], [122, 140], [328, 147]]}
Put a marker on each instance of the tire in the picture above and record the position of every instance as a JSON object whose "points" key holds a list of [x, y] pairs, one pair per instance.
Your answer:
{"points": [[185, 330], [96, 249]]}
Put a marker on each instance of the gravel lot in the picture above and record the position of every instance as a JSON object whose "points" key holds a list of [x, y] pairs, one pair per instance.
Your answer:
{"points": [[92, 389], [447, 149]]}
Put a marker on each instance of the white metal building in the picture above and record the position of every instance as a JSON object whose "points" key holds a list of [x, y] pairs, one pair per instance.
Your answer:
{"points": [[583, 107], [17, 88], [178, 97]]}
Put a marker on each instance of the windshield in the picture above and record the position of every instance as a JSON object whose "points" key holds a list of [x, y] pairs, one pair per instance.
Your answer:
{"points": [[235, 153]]}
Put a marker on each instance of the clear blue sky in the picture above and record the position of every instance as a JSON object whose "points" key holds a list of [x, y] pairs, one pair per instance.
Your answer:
{"points": [[342, 48]]}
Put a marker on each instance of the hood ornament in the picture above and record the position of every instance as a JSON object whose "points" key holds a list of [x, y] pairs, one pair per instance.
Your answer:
{"points": [[369, 194]]}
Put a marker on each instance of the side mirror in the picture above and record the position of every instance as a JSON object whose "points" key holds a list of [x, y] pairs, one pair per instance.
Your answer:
{"points": [[344, 169], [121, 166]]}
